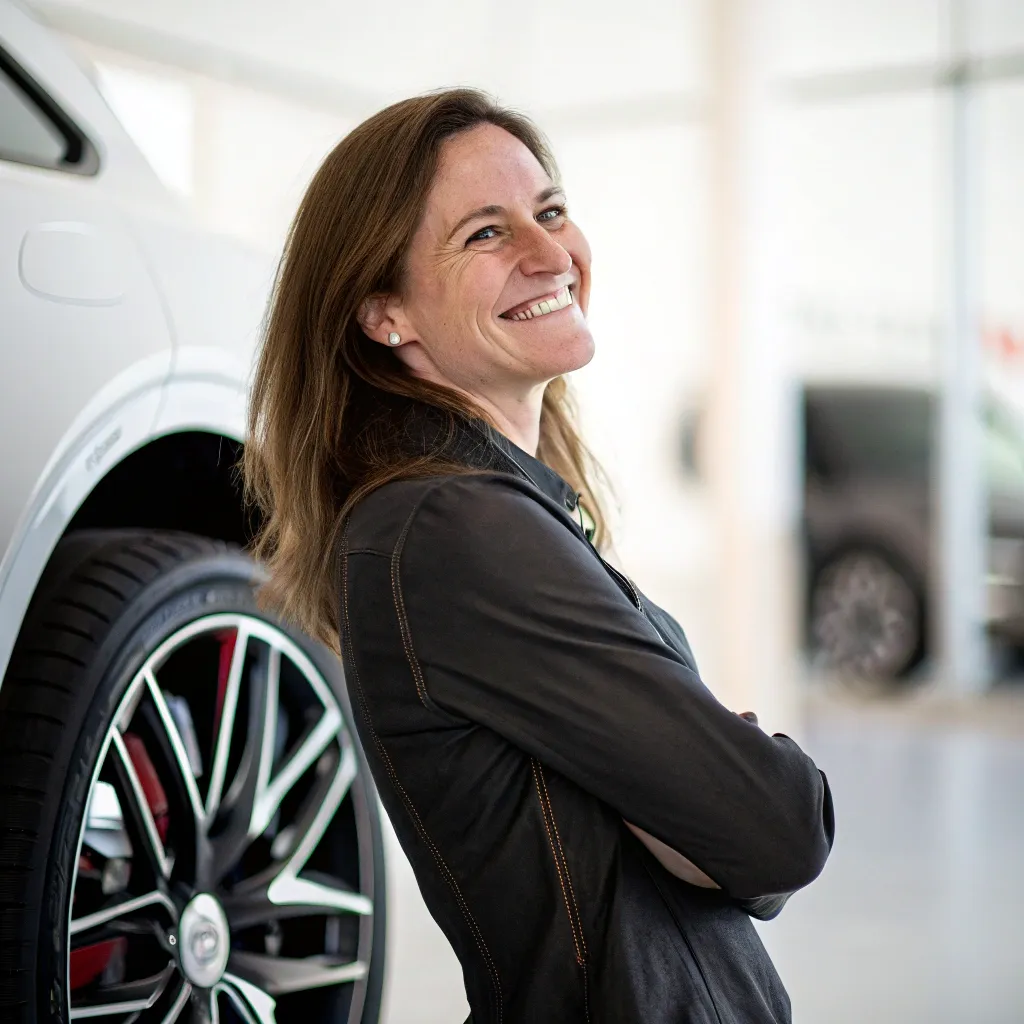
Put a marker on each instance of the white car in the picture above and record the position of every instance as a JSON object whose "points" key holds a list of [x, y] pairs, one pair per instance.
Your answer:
{"points": [[188, 831]]}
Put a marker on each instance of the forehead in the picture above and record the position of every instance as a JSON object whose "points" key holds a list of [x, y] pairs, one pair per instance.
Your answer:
{"points": [[484, 166]]}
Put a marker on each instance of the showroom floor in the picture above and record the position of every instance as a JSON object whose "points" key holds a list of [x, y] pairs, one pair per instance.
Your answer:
{"points": [[919, 916]]}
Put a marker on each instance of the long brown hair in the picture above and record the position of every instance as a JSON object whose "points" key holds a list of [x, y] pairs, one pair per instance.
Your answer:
{"points": [[327, 405]]}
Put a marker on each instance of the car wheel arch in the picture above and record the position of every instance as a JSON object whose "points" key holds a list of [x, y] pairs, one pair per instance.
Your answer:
{"points": [[77, 492]]}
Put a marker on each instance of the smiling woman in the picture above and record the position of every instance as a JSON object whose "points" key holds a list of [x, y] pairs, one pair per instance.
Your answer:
{"points": [[591, 829], [399, 263], [469, 277]]}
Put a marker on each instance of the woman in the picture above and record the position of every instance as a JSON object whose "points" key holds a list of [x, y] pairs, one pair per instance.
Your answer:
{"points": [[518, 700]]}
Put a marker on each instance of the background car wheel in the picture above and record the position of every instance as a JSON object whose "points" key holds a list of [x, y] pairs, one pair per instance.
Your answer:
{"points": [[866, 618], [188, 831]]}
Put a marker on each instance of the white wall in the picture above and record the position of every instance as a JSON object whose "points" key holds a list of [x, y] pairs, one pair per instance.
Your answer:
{"points": [[865, 198]]}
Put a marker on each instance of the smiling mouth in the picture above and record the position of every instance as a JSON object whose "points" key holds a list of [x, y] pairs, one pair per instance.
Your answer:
{"points": [[551, 304]]}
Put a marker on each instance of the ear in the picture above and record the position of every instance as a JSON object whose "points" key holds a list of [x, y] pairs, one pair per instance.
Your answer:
{"points": [[379, 315]]}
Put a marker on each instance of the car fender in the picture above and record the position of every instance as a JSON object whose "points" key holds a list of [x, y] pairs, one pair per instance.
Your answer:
{"points": [[117, 421], [139, 407]]}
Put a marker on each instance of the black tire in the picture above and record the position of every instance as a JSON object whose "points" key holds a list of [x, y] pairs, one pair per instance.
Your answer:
{"points": [[107, 600], [866, 618]]}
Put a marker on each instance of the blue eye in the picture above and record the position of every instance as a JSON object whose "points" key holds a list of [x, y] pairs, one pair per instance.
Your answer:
{"points": [[483, 235], [551, 213], [490, 232]]}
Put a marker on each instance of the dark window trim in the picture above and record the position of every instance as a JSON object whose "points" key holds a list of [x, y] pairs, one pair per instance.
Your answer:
{"points": [[81, 155]]}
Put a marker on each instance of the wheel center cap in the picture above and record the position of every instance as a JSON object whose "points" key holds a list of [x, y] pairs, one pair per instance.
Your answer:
{"points": [[204, 941]]}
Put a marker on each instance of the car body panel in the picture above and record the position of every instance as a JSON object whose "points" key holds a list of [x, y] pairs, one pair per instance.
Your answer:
{"points": [[124, 320], [849, 504], [869, 513], [58, 353], [123, 426]]}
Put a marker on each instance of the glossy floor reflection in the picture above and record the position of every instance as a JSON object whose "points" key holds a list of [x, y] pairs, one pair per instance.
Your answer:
{"points": [[919, 915]]}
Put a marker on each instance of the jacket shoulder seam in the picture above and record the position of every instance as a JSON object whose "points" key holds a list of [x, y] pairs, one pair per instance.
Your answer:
{"points": [[389, 766], [399, 600]]}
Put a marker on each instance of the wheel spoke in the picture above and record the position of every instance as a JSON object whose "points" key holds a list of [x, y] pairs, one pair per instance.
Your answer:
{"points": [[255, 795], [269, 797], [226, 725], [178, 749], [121, 909], [204, 1005], [324, 811], [280, 975], [240, 799], [287, 892], [131, 997], [139, 807], [294, 897], [174, 1010], [268, 734], [283, 893], [251, 1002]]}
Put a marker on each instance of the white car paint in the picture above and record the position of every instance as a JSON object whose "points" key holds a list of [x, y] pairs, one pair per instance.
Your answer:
{"points": [[122, 320]]}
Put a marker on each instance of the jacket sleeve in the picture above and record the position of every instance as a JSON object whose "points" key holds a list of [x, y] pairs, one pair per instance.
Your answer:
{"points": [[517, 626]]}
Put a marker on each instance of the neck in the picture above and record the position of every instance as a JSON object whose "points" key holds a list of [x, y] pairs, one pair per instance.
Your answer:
{"points": [[515, 414], [519, 421]]}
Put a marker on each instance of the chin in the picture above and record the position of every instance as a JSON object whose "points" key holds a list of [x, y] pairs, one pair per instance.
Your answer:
{"points": [[552, 357], [576, 355]]}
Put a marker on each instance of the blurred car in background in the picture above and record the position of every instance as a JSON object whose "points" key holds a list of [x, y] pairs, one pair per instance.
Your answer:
{"points": [[187, 826], [868, 458], [868, 454]]}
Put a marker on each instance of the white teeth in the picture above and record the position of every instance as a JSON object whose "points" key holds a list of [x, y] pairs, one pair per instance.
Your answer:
{"points": [[562, 299]]}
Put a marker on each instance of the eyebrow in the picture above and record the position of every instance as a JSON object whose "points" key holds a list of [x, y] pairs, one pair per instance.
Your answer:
{"points": [[494, 211]]}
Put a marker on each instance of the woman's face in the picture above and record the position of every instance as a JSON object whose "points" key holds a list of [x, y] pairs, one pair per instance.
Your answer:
{"points": [[497, 277]]}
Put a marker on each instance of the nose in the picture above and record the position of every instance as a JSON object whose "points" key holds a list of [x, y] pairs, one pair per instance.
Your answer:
{"points": [[541, 253]]}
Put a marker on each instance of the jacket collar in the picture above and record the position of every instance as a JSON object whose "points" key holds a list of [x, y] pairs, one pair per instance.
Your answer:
{"points": [[479, 445], [510, 457]]}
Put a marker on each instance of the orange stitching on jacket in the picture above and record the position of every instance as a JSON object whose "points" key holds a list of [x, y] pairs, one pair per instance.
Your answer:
{"points": [[565, 860], [403, 621], [554, 854], [420, 827]]}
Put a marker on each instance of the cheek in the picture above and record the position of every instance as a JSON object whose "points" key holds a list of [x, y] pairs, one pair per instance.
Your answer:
{"points": [[472, 288], [579, 249]]}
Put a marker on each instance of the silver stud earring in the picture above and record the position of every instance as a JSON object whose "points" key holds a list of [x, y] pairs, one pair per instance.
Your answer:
{"points": [[394, 338]]}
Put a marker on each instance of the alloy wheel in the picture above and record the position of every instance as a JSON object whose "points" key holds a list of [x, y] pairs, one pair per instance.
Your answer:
{"points": [[865, 617], [223, 870]]}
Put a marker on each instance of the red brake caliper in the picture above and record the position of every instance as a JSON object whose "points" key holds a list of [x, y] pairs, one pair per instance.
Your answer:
{"points": [[152, 788], [227, 640], [89, 962]]}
